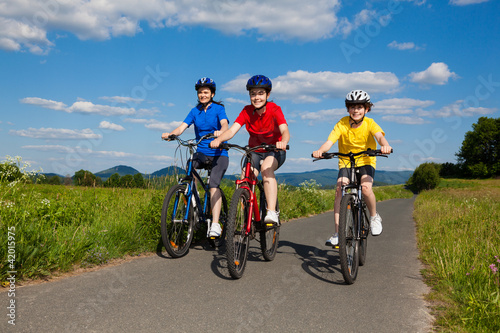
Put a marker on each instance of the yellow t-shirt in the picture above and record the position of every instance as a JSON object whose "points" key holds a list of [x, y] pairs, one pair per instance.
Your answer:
{"points": [[355, 140]]}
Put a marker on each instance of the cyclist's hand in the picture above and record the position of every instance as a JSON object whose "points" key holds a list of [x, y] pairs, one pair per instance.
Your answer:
{"points": [[215, 143], [386, 149], [217, 133], [165, 136], [318, 154], [281, 145]]}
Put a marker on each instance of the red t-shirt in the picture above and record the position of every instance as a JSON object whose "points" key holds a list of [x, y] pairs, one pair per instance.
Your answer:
{"points": [[264, 128]]}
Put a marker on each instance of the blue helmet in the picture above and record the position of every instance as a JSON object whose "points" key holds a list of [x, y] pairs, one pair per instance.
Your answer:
{"points": [[205, 82], [259, 81]]}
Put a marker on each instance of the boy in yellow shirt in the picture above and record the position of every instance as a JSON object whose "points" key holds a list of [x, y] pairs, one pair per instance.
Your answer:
{"points": [[356, 133]]}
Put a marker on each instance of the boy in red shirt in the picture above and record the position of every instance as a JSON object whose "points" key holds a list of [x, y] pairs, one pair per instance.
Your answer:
{"points": [[266, 124]]}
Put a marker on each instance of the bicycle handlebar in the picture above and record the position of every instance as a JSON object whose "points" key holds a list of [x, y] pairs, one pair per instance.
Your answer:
{"points": [[247, 149], [369, 152], [191, 142]]}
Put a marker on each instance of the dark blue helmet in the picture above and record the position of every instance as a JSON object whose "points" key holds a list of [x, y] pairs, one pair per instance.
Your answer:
{"points": [[205, 82], [259, 81]]}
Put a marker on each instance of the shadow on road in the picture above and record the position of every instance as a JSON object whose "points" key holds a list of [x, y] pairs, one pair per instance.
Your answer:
{"points": [[323, 265]]}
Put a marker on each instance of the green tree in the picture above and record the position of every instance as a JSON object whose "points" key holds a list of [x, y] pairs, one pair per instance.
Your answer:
{"points": [[127, 181], [86, 178], [113, 181], [425, 177], [54, 180], [479, 155], [139, 180]]}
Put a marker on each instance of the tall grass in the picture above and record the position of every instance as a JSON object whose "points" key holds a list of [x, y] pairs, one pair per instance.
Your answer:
{"points": [[458, 230], [58, 228]]}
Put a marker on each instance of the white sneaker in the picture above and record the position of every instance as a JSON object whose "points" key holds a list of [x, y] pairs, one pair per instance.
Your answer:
{"points": [[215, 230], [272, 217], [376, 225], [333, 241]]}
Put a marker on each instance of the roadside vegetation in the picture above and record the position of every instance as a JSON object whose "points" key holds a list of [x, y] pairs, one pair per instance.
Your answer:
{"points": [[57, 228], [458, 231]]}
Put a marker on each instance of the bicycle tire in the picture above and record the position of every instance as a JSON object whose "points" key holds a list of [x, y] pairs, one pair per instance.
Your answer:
{"points": [[269, 236], [219, 241], [348, 245], [237, 241], [176, 233], [365, 230]]}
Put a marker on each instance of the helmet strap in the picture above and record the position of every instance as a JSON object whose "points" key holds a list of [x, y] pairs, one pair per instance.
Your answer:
{"points": [[263, 106], [357, 122]]}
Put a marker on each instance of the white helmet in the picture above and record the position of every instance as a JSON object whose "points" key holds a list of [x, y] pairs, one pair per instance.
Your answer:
{"points": [[357, 97]]}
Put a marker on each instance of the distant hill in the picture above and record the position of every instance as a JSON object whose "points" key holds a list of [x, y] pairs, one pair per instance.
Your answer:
{"points": [[324, 177], [122, 170], [168, 171], [328, 177]]}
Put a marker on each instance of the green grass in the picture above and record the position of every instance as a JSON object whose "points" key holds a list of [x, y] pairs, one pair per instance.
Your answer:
{"points": [[59, 228], [458, 230]]}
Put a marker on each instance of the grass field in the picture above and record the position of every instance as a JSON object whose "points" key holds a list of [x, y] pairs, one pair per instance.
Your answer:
{"points": [[458, 231], [55, 229]]}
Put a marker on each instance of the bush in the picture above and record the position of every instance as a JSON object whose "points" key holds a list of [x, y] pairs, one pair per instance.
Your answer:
{"points": [[425, 177]]}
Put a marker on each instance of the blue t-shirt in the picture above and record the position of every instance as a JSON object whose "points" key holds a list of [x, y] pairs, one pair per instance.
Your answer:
{"points": [[205, 123]]}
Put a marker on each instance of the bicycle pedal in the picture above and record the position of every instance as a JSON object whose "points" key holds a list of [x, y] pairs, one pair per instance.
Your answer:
{"points": [[335, 246]]}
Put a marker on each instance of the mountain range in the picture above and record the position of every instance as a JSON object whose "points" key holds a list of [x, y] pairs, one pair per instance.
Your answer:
{"points": [[324, 177]]}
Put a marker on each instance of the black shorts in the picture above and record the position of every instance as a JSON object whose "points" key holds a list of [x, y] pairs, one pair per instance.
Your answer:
{"points": [[219, 166], [257, 158], [363, 170]]}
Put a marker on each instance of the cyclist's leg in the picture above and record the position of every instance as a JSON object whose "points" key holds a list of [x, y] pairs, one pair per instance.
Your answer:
{"points": [[270, 164], [219, 167], [367, 173]]}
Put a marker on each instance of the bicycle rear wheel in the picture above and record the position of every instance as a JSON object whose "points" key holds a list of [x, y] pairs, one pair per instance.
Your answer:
{"points": [[348, 245], [269, 235], [365, 230], [237, 240], [176, 232]]}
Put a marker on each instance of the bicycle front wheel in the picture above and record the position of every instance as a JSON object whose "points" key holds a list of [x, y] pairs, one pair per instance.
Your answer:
{"points": [[237, 240], [348, 244], [176, 231], [270, 234]]}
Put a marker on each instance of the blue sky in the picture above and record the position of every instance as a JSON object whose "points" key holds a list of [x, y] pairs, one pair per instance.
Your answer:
{"points": [[93, 84]]}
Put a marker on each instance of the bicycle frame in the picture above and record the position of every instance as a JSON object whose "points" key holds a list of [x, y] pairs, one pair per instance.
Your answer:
{"points": [[251, 180]]}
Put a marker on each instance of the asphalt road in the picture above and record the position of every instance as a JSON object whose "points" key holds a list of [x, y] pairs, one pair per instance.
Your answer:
{"points": [[302, 290]]}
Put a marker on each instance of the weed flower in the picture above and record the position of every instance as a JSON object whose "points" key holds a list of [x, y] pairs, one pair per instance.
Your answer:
{"points": [[493, 268], [46, 202]]}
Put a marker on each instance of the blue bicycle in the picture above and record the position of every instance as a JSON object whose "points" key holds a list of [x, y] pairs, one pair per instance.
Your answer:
{"points": [[183, 211]]}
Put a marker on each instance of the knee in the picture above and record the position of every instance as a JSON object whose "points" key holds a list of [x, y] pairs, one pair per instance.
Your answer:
{"points": [[366, 189]]}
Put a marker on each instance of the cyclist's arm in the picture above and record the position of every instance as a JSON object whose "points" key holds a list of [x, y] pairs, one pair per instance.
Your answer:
{"points": [[178, 131], [323, 149], [227, 135], [285, 137], [224, 125], [385, 148]]}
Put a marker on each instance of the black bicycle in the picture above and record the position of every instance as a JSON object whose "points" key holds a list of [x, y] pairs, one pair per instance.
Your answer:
{"points": [[354, 222], [183, 211]]}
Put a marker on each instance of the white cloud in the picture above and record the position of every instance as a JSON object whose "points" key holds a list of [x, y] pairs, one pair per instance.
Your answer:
{"points": [[458, 109], [56, 133], [24, 23], [466, 2], [438, 73], [407, 120], [236, 101], [163, 126], [400, 106], [80, 106], [306, 87], [44, 103], [404, 46], [122, 99], [55, 148], [328, 116], [111, 126]]}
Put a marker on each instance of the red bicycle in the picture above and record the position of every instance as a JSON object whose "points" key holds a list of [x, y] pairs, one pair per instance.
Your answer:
{"points": [[245, 219]]}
